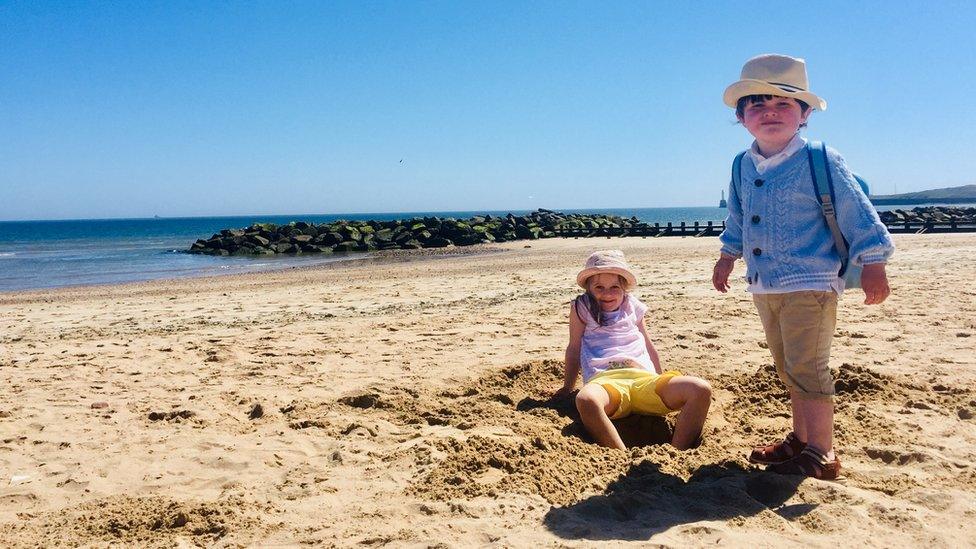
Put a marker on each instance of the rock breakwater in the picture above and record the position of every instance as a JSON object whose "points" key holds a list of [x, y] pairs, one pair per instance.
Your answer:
{"points": [[300, 237], [421, 232], [930, 214]]}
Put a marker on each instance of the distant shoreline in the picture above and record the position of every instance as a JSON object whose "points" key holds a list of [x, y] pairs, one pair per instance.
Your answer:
{"points": [[920, 202]]}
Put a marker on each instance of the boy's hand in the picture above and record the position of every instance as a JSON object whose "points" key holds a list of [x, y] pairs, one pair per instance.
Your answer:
{"points": [[874, 282], [562, 393], [720, 274]]}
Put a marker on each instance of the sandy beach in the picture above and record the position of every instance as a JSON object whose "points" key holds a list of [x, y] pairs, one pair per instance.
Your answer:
{"points": [[404, 401]]}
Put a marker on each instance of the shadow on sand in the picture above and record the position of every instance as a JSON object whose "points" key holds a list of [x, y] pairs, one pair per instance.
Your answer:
{"points": [[646, 501]]}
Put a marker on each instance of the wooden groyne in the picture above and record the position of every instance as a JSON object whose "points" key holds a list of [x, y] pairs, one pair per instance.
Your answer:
{"points": [[714, 229], [697, 228], [920, 220]]}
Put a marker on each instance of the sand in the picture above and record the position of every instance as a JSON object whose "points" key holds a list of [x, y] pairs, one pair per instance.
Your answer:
{"points": [[404, 401]]}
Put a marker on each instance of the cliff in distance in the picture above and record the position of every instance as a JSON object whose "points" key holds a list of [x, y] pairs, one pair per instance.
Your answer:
{"points": [[948, 195]]}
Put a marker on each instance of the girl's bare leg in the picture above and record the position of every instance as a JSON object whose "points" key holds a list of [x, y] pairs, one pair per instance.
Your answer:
{"points": [[595, 408], [692, 396]]}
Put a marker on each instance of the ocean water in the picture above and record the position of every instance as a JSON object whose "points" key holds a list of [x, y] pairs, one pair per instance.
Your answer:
{"points": [[48, 254]]}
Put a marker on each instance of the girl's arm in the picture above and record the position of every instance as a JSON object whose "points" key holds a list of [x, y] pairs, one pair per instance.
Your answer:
{"points": [[572, 368], [650, 347]]}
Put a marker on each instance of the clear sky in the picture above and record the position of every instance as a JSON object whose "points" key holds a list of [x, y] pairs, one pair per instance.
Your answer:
{"points": [[135, 109]]}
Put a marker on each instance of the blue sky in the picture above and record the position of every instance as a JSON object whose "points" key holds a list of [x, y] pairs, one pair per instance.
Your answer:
{"points": [[132, 109]]}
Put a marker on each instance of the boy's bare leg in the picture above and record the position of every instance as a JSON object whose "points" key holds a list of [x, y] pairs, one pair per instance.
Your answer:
{"points": [[799, 417], [818, 416], [593, 403], [692, 396]]}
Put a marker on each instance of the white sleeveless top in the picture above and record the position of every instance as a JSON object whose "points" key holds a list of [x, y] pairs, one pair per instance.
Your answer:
{"points": [[617, 344]]}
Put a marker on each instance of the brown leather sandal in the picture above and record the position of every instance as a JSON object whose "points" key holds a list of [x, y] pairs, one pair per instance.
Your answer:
{"points": [[810, 463], [781, 452]]}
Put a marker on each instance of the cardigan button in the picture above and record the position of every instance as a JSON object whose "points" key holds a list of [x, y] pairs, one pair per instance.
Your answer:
{"points": [[756, 251], [759, 182], [755, 219]]}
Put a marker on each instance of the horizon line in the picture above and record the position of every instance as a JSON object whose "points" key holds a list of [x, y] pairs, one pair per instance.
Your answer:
{"points": [[508, 210]]}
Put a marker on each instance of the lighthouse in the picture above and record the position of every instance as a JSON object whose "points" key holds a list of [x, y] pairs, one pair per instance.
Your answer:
{"points": [[722, 203]]}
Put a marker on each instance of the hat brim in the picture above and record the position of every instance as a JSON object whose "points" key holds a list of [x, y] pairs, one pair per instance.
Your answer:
{"points": [[587, 273], [747, 87]]}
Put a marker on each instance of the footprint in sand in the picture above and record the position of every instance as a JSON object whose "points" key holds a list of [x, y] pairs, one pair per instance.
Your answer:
{"points": [[895, 457], [176, 415]]}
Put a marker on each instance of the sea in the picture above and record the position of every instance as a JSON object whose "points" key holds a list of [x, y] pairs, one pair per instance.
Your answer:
{"points": [[52, 254]]}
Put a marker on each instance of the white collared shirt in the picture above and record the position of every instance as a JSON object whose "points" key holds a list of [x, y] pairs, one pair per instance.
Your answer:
{"points": [[762, 163]]}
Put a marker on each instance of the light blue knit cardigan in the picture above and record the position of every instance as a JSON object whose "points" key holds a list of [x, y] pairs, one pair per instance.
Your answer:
{"points": [[776, 225]]}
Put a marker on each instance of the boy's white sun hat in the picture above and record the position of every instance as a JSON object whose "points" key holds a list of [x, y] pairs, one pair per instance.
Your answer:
{"points": [[606, 261], [773, 74]]}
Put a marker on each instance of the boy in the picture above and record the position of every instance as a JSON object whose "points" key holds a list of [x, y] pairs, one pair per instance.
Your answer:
{"points": [[776, 224]]}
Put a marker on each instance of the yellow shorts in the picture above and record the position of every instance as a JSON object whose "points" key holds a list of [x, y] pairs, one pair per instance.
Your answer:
{"points": [[635, 391]]}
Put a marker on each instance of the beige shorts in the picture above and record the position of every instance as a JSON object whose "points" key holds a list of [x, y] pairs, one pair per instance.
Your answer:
{"points": [[799, 327]]}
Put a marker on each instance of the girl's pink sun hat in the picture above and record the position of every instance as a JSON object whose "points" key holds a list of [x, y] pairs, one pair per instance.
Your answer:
{"points": [[607, 261]]}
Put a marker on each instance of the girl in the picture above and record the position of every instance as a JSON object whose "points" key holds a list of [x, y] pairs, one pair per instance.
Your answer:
{"points": [[621, 369]]}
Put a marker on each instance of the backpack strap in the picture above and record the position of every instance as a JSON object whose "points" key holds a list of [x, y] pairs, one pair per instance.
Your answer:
{"points": [[737, 171], [824, 188]]}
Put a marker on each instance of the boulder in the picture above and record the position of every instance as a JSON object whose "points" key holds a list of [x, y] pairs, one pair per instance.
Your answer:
{"points": [[402, 235], [258, 240], [350, 233], [331, 238], [347, 246], [438, 242], [466, 240], [527, 233]]}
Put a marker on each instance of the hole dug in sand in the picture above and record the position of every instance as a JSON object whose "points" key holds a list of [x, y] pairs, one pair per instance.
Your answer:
{"points": [[508, 437]]}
